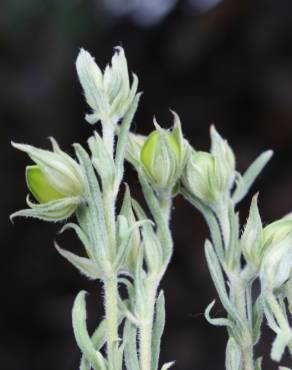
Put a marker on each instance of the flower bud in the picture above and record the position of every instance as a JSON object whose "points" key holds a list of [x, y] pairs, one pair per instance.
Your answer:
{"points": [[224, 161], [55, 181], [209, 176], [163, 156], [108, 94], [252, 238], [277, 231], [276, 265], [198, 176]]}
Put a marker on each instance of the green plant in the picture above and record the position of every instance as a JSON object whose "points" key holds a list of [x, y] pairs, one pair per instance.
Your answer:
{"points": [[124, 247]]}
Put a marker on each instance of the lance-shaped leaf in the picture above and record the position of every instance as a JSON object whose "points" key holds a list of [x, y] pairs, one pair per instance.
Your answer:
{"points": [[210, 219], [163, 230], [128, 213], [98, 340], [233, 251], [81, 235], [83, 339], [167, 365], [55, 210], [152, 246], [95, 204], [217, 277], [123, 134], [84, 265], [124, 247], [244, 183], [216, 321], [257, 319], [102, 160], [282, 340], [158, 327]]}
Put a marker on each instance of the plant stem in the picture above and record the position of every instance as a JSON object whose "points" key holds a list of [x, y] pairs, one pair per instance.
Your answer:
{"points": [[110, 219], [111, 311], [222, 214], [239, 298], [108, 132], [147, 324]]}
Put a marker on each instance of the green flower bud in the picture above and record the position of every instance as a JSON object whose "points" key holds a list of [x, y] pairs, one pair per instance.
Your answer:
{"points": [[39, 185], [252, 238], [276, 265], [108, 94], [210, 176], [163, 157], [56, 182], [198, 177], [277, 231], [224, 161]]}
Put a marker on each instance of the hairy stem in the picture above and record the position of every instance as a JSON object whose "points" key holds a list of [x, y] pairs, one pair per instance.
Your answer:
{"points": [[111, 311], [110, 219], [147, 325], [246, 345]]}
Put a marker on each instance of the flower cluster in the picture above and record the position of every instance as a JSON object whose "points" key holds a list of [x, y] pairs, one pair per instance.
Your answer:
{"points": [[123, 246]]}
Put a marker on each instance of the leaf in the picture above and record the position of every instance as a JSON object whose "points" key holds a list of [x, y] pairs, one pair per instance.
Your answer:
{"points": [[250, 175], [123, 250], [217, 277], [130, 340], [152, 246], [95, 205], [81, 235], [84, 265], [257, 319], [98, 340], [158, 327], [167, 365], [55, 210], [102, 160], [233, 249], [162, 226], [123, 135], [211, 220], [280, 343], [84, 342], [216, 321]]}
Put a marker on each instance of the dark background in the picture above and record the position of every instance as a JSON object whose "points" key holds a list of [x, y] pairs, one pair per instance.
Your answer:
{"points": [[227, 62]]}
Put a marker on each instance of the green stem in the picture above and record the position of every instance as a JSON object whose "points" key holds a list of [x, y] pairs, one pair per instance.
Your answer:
{"points": [[108, 133], [223, 217], [239, 297], [111, 311], [165, 205], [147, 325], [110, 219]]}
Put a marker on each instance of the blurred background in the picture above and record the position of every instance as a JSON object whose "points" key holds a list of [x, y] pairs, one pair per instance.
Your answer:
{"points": [[225, 62]]}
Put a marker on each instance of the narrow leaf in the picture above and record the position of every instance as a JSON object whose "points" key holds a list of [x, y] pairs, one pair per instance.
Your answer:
{"points": [[158, 327], [217, 321], [84, 265], [250, 175], [81, 334]]}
